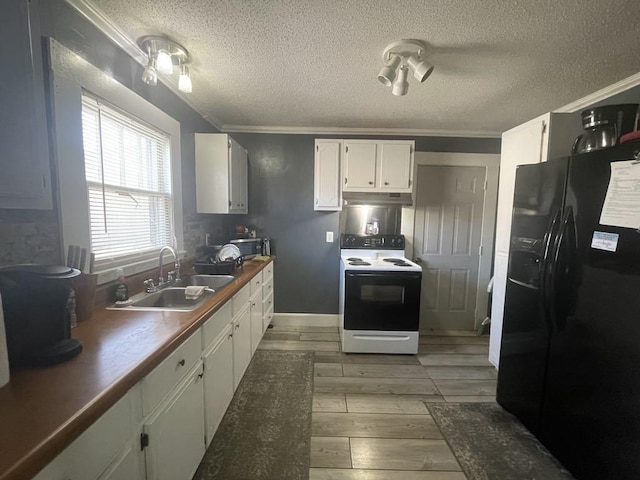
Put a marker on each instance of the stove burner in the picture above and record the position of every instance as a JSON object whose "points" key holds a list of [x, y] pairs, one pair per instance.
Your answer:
{"points": [[360, 263], [402, 264], [394, 260], [354, 259]]}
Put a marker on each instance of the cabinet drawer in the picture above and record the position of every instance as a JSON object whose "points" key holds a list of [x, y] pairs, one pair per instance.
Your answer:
{"points": [[240, 300], [166, 375], [267, 303], [216, 323], [267, 288], [267, 317], [267, 273], [256, 284]]}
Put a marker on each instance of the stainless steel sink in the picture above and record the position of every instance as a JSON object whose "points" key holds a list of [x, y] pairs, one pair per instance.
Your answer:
{"points": [[168, 299], [215, 282]]}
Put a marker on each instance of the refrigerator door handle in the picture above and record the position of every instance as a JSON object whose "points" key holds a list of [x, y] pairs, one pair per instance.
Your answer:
{"points": [[552, 286], [547, 264]]}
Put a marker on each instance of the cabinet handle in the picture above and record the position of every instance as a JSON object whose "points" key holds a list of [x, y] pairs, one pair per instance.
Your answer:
{"points": [[200, 375], [231, 335], [237, 326], [345, 180], [181, 363], [370, 183], [386, 183]]}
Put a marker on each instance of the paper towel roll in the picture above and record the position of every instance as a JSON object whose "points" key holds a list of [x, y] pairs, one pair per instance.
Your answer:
{"points": [[4, 354]]}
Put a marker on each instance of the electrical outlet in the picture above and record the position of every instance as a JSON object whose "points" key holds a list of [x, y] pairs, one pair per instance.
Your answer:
{"points": [[329, 237]]}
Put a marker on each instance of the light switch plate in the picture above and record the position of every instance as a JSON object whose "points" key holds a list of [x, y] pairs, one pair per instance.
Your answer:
{"points": [[329, 237]]}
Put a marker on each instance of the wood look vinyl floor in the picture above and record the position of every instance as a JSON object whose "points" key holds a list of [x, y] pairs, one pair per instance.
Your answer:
{"points": [[369, 418]]}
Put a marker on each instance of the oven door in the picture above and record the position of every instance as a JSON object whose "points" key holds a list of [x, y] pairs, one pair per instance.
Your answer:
{"points": [[385, 301]]}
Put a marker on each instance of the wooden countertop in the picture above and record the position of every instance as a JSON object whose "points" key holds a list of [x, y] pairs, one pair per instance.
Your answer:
{"points": [[42, 410]]}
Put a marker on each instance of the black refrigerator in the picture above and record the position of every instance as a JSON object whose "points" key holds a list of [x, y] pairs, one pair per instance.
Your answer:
{"points": [[570, 355]]}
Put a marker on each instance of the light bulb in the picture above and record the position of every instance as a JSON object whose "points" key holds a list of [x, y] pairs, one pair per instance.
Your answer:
{"points": [[388, 73], [401, 86], [184, 82], [165, 65], [421, 68], [150, 74]]}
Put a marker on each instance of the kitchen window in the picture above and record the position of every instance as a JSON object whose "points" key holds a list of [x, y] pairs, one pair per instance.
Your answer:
{"points": [[128, 174], [118, 168]]}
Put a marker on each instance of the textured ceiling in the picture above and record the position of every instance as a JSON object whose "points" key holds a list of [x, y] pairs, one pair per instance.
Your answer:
{"points": [[288, 63]]}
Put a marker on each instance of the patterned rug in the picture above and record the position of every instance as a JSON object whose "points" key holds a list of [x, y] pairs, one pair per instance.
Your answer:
{"points": [[265, 433], [491, 444]]}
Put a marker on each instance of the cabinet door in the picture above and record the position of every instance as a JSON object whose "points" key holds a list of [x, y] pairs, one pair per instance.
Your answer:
{"points": [[238, 198], [520, 146], [359, 170], [127, 466], [395, 168], [256, 321], [497, 306], [176, 432], [241, 344], [218, 381], [25, 181], [326, 178]]}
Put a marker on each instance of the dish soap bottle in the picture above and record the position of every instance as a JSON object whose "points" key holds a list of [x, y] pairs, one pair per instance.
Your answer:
{"points": [[121, 291]]}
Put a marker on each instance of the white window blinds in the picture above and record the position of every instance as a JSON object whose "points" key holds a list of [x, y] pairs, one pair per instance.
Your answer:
{"points": [[128, 172]]}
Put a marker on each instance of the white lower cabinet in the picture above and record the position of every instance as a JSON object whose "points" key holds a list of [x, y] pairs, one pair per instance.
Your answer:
{"points": [[218, 381], [241, 344], [173, 435], [257, 329], [102, 451]]}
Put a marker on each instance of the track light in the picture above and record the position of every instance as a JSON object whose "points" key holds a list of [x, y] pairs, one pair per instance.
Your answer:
{"points": [[421, 68], [401, 86], [399, 57], [184, 82], [388, 73], [162, 54]]}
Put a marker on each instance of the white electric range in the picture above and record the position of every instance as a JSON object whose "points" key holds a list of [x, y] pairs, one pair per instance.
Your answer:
{"points": [[379, 295]]}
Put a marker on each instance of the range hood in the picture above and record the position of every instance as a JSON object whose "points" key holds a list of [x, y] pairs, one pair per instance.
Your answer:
{"points": [[377, 198]]}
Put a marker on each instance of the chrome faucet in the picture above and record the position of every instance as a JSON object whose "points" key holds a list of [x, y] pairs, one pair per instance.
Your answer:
{"points": [[172, 276]]}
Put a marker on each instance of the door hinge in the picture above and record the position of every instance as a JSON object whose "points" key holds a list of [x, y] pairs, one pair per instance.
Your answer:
{"points": [[144, 441], [544, 126], [410, 182], [486, 184], [480, 250], [317, 150], [346, 149], [228, 143]]}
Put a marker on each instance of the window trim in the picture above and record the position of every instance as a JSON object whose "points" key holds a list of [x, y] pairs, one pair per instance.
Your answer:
{"points": [[70, 75]]}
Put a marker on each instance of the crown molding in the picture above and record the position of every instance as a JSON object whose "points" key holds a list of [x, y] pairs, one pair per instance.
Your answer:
{"points": [[359, 131], [602, 94], [103, 23]]}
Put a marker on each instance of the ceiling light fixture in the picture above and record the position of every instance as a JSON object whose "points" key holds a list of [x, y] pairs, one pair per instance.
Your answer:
{"points": [[163, 54], [399, 57]]}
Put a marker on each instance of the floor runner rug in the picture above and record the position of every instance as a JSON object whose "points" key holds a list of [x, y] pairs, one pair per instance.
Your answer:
{"points": [[266, 431], [491, 444]]}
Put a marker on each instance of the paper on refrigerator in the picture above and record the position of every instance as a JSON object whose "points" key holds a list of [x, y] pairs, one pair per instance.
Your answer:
{"points": [[622, 203]]}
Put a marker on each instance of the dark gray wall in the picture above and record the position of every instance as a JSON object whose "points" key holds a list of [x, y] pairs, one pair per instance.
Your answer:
{"points": [[281, 207], [280, 190]]}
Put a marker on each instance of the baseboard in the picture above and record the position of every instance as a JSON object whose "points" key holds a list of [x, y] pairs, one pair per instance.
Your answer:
{"points": [[309, 319]]}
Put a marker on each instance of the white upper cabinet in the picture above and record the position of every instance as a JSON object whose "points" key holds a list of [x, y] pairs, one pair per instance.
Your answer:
{"points": [[25, 181], [326, 178], [221, 174], [378, 166]]}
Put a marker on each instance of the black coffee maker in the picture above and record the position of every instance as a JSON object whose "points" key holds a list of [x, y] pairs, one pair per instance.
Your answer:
{"points": [[604, 126], [37, 321]]}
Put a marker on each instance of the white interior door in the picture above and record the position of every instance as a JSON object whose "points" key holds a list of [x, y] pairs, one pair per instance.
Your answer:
{"points": [[447, 236]]}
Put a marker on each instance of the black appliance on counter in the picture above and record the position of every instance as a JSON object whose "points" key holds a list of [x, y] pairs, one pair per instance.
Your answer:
{"points": [[37, 322], [570, 353]]}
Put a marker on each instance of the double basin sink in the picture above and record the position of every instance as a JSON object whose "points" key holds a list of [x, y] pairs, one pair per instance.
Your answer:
{"points": [[174, 298]]}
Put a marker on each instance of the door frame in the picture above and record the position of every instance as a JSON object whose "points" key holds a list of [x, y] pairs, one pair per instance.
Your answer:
{"points": [[491, 163]]}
